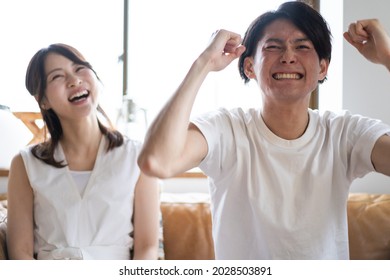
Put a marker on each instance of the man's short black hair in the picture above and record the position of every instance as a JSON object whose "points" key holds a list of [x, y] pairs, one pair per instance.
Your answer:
{"points": [[304, 17]]}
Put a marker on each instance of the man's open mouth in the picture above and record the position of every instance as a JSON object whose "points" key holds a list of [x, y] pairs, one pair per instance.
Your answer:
{"points": [[287, 76]]}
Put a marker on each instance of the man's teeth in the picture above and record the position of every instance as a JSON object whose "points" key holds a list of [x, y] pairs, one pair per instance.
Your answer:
{"points": [[290, 76]]}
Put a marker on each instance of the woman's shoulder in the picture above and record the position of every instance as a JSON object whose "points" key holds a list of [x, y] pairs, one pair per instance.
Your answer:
{"points": [[132, 143], [17, 161], [129, 146], [27, 151]]}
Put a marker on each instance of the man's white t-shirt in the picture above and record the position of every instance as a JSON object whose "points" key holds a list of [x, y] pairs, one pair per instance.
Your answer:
{"points": [[284, 199]]}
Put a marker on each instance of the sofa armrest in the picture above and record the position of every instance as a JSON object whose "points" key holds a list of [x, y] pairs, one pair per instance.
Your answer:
{"points": [[369, 226], [3, 230]]}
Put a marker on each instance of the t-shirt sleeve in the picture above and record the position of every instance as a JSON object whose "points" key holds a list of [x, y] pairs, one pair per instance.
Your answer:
{"points": [[216, 128], [364, 134]]}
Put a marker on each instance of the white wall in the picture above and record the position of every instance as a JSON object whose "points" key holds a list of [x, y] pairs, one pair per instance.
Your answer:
{"points": [[366, 86], [3, 185], [330, 92], [181, 185]]}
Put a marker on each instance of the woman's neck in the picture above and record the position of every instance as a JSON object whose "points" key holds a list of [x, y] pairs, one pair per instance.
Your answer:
{"points": [[80, 144]]}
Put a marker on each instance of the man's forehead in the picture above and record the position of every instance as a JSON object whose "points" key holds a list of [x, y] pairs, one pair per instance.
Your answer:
{"points": [[282, 40], [282, 30]]}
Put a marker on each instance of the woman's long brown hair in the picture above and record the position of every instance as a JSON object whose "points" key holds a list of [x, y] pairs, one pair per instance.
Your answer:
{"points": [[36, 85]]}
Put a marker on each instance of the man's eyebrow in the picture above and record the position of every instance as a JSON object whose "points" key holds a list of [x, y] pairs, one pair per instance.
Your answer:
{"points": [[280, 41], [304, 39], [274, 40]]}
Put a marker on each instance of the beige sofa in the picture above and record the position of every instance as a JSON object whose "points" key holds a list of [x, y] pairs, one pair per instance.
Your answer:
{"points": [[187, 228]]}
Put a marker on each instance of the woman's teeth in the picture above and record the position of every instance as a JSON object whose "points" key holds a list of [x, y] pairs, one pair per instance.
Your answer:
{"points": [[78, 96]]}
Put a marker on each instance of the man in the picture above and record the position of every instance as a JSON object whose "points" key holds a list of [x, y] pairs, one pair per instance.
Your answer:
{"points": [[279, 175]]}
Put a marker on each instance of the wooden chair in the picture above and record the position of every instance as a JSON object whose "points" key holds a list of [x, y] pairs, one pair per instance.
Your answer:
{"points": [[34, 122]]}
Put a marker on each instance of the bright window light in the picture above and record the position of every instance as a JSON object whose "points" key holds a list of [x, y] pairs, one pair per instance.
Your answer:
{"points": [[165, 37], [93, 27]]}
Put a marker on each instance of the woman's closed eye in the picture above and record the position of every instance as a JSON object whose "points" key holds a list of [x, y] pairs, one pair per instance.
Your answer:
{"points": [[55, 77], [80, 68]]}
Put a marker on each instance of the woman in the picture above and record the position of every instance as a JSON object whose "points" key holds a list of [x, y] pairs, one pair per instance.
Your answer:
{"points": [[79, 194]]}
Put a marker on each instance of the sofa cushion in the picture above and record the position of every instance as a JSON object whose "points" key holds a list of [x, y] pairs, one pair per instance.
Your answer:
{"points": [[369, 226], [187, 226], [187, 231]]}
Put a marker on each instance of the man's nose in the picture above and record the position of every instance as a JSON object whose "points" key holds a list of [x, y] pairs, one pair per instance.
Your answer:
{"points": [[288, 56]]}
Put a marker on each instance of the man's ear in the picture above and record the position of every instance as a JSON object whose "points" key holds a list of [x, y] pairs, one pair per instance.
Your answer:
{"points": [[248, 68], [324, 65]]}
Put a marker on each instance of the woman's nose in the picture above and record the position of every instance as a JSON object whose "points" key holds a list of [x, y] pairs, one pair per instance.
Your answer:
{"points": [[73, 81]]}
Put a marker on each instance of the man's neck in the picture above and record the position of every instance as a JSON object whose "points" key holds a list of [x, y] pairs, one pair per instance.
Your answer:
{"points": [[289, 124]]}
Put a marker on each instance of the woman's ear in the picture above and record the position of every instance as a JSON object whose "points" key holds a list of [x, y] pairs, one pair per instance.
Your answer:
{"points": [[44, 104], [248, 68]]}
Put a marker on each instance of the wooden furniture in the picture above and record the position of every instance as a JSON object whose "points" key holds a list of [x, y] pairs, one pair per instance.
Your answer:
{"points": [[4, 172], [34, 122], [192, 175]]}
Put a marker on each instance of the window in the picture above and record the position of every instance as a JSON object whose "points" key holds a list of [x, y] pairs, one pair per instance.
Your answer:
{"points": [[165, 37], [93, 27]]}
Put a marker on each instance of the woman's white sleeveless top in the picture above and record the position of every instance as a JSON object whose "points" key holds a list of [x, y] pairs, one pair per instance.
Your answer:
{"points": [[96, 224]]}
